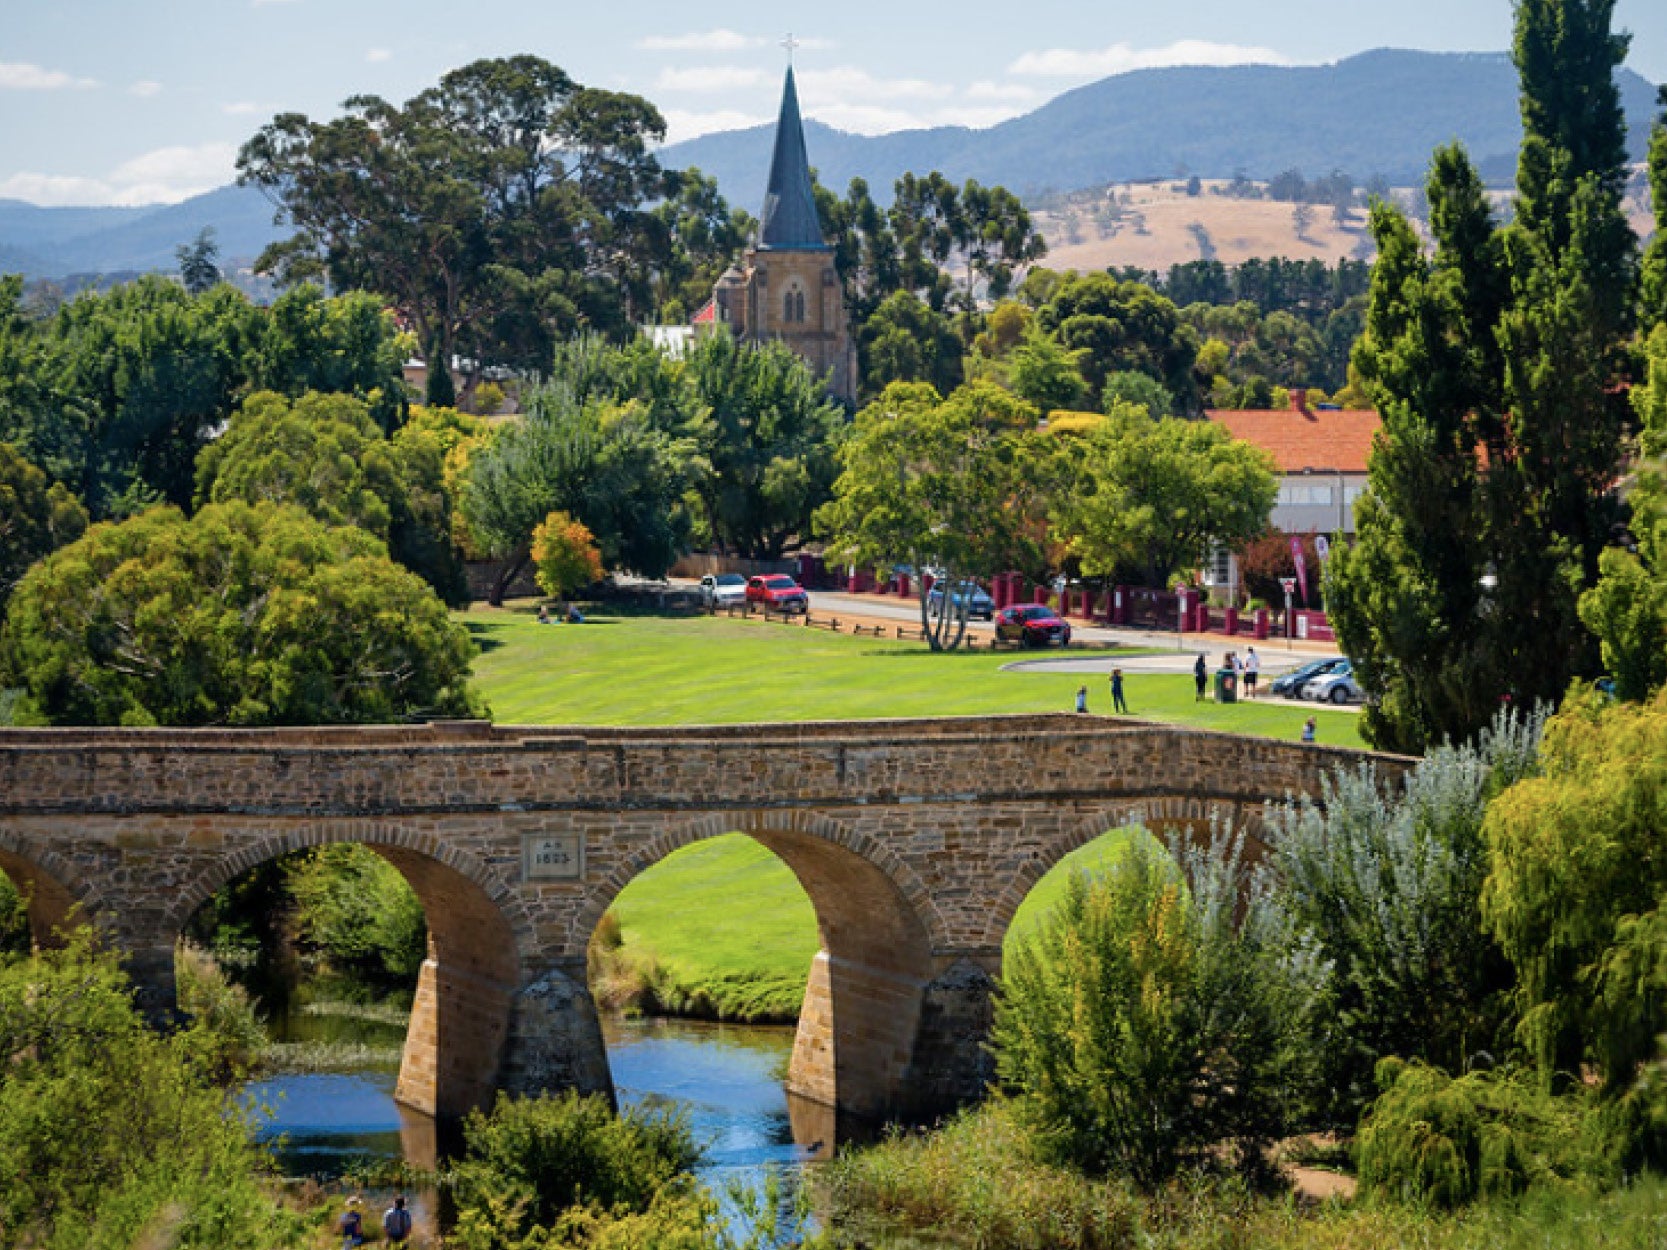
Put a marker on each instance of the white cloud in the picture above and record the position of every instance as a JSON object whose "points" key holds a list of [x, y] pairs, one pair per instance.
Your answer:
{"points": [[702, 41], [22, 76], [162, 176], [376, 56], [1120, 58], [145, 88], [168, 175], [684, 124], [54, 190], [711, 78], [1016, 92], [241, 108], [837, 85]]}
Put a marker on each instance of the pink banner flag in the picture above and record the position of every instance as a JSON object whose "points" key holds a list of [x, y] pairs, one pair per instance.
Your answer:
{"points": [[1302, 568]]}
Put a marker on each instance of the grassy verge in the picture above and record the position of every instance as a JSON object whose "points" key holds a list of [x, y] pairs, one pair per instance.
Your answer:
{"points": [[979, 1182], [644, 670]]}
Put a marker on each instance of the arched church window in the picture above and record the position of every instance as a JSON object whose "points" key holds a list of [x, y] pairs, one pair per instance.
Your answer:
{"points": [[793, 306]]}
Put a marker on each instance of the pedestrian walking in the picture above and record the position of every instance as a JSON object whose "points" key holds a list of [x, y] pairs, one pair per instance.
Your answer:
{"points": [[1200, 678], [396, 1222], [1309, 730], [1082, 698], [1117, 702], [1252, 669]]}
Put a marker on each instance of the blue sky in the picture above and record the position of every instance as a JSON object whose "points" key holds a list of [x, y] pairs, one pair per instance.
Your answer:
{"points": [[142, 101]]}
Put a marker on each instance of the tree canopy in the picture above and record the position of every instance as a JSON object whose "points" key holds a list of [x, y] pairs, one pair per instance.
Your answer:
{"points": [[933, 483], [1156, 495], [240, 615], [500, 209]]}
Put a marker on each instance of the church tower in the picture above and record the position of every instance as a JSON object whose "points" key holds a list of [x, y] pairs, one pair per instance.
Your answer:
{"points": [[789, 289]]}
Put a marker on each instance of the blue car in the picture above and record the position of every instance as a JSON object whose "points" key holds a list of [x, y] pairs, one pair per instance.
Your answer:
{"points": [[978, 604]]}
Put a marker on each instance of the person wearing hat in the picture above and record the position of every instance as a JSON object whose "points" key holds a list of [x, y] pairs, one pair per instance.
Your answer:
{"points": [[352, 1225], [396, 1222]]}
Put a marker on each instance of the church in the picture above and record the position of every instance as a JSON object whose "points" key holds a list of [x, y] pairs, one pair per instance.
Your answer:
{"points": [[788, 288]]}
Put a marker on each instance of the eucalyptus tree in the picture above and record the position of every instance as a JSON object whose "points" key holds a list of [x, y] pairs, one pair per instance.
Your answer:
{"points": [[940, 484]]}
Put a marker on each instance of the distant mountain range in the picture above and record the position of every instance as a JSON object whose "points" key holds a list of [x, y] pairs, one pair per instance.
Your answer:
{"points": [[57, 242], [1380, 112]]}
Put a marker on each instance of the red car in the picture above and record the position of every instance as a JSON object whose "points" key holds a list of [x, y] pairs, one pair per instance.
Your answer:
{"points": [[1033, 625], [778, 593]]}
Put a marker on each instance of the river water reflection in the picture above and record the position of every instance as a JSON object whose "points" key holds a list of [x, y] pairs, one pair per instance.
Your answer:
{"points": [[726, 1078]]}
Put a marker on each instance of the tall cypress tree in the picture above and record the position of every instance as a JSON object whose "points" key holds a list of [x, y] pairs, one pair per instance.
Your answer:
{"points": [[1573, 261], [1408, 599], [1653, 295], [1497, 367]]}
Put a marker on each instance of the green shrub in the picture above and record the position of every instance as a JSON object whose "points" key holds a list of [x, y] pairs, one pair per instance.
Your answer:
{"points": [[1388, 881], [14, 916], [110, 1133], [531, 1159], [226, 1035], [1444, 1141], [1163, 1011], [356, 909]]}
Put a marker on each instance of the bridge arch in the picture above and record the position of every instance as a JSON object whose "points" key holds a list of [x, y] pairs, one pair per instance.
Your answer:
{"points": [[479, 940], [858, 1025], [58, 897], [1160, 816]]}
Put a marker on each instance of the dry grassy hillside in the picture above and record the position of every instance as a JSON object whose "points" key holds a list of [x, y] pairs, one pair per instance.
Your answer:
{"points": [[1153, 226]]}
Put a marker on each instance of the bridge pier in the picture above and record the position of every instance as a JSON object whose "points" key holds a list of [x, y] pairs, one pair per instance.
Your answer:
{"points": [[555, 1037]]}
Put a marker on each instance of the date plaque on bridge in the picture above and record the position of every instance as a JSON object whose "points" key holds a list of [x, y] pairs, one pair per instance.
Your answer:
{"points": [[552, 857]]}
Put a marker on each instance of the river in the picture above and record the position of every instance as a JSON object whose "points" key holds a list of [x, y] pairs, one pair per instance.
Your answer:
{"points": [[726, 1078]]}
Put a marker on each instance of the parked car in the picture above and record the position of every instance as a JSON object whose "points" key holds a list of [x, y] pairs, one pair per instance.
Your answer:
{"points": [[721, 589], [979, 605], [778, 592], [1033, 625], [1337, 686], [1289, 685]]}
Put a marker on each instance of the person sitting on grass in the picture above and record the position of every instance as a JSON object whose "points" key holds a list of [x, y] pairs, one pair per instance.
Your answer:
{"points": [[396, 1222], [352, 1225], [1082, 698], [1309, 730]]}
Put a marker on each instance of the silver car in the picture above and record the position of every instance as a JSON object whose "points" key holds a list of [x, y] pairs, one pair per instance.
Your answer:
{"points": [[722, 589]]}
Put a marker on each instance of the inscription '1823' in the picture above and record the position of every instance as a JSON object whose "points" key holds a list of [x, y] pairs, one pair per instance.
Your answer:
{"points": [[552, 857]]}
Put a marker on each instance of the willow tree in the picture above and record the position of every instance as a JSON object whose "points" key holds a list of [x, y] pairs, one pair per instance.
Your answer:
{"points": [[936, 483]]}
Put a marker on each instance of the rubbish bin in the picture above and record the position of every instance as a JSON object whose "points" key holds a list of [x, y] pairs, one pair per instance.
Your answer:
{"points": [[1227, 686]]}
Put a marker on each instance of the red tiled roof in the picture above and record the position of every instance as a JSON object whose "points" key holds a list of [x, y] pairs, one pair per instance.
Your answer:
{"points": [[1324, 441], [708, 314]]}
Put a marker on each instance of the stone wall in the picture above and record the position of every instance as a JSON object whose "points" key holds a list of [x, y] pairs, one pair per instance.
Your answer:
{"points": [[915, 841]]}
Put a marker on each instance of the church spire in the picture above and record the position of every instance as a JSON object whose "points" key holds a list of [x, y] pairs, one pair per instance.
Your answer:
{"points": [[789, 204]]}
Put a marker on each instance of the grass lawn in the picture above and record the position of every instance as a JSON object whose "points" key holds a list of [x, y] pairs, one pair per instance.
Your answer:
{"points": [[644, 670], [712, 957]]}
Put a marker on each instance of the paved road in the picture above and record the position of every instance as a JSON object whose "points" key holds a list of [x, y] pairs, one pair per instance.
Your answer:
{"points": [[1277, 655]]}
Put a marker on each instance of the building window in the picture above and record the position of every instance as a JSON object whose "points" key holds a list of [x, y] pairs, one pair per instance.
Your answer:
{"points": [[793, 306], [1306, 496]]}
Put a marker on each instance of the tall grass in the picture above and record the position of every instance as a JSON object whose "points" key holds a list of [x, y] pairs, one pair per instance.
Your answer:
{"points": [[981, 1182]]}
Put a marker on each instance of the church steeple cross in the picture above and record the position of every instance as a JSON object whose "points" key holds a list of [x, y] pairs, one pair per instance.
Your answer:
{"points": [[790, 44]]}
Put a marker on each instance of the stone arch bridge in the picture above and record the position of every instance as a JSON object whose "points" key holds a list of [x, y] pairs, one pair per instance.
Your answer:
{"points": [[915, 841]]}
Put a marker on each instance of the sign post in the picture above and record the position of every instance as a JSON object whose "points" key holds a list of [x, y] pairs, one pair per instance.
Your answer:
{"points": [[1289, 584]]}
